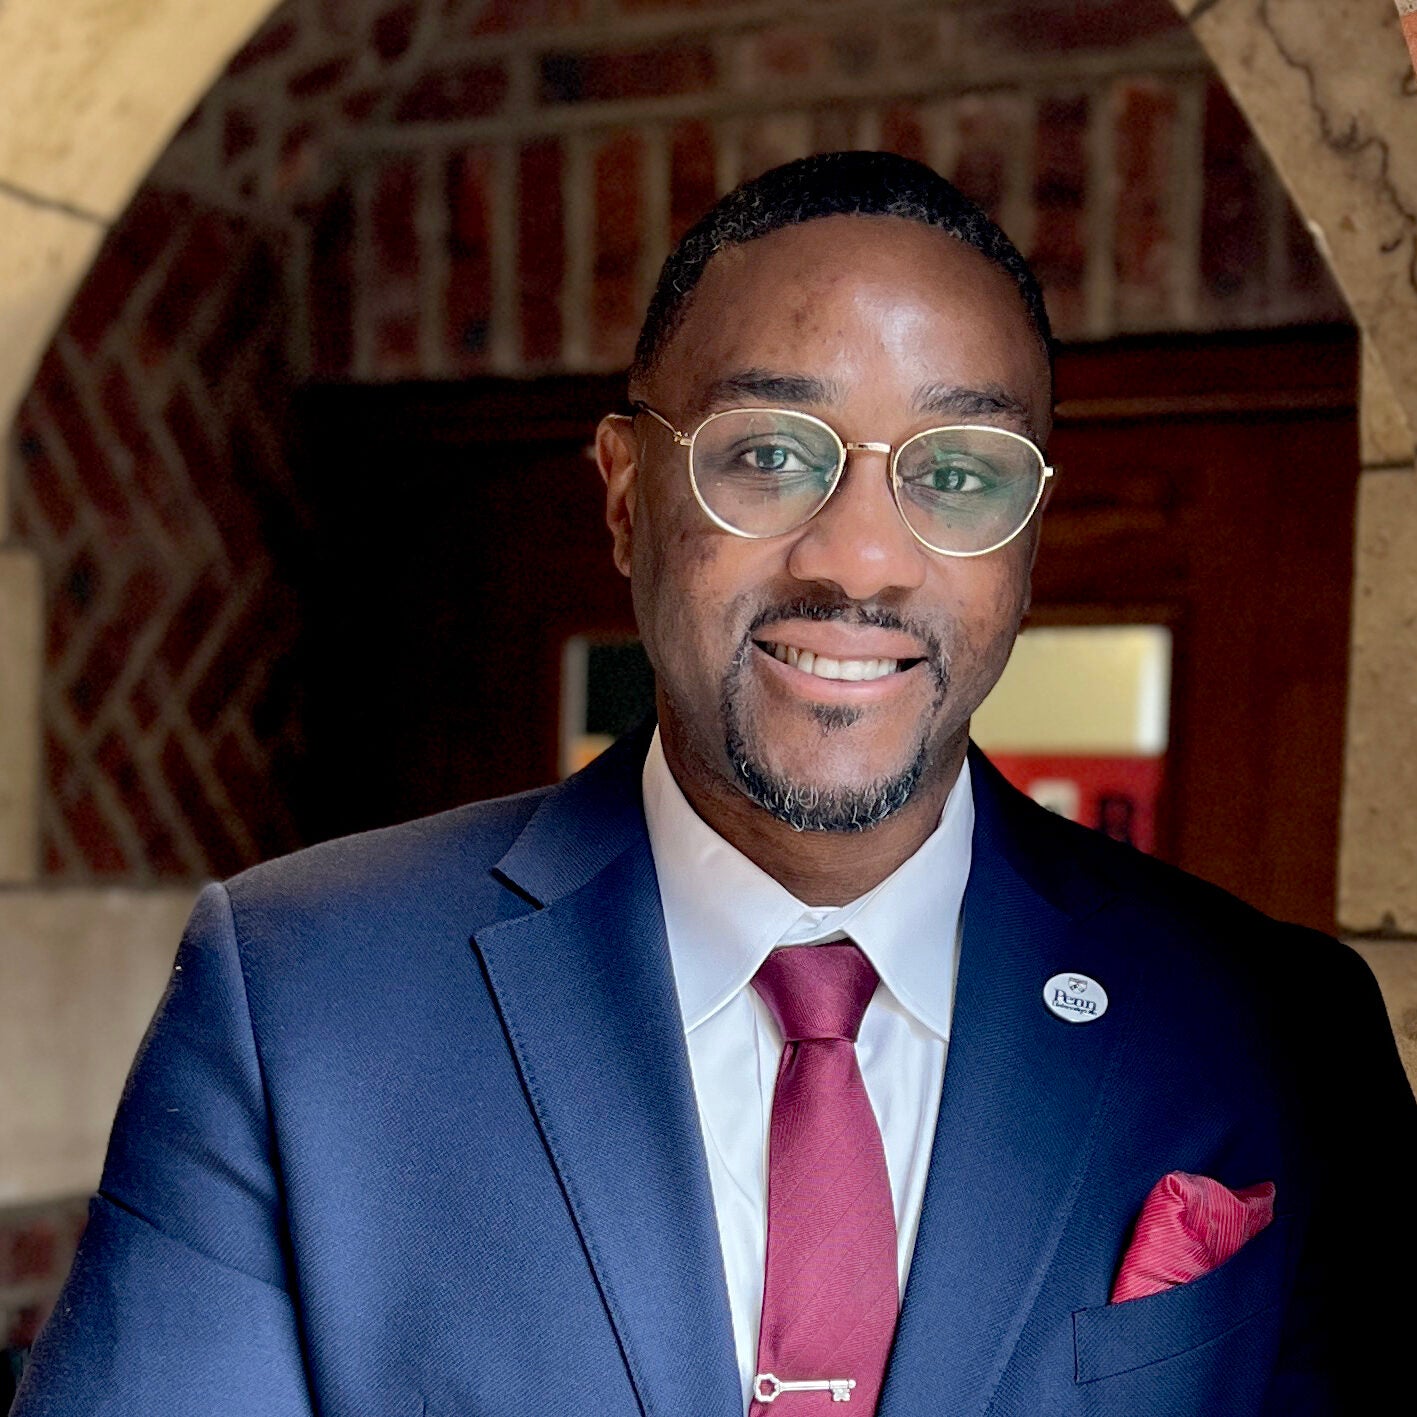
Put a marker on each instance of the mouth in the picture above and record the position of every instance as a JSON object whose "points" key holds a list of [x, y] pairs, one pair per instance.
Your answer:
{"points": [[823, 666]]}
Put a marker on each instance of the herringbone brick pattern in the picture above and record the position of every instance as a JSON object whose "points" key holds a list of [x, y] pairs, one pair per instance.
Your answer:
{"points": [[152, 482]]}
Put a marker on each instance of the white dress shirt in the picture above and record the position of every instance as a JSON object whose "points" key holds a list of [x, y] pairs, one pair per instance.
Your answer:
{"points": [[723, 915]]}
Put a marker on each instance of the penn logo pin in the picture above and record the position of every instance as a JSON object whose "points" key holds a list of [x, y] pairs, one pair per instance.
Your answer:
{"points": [[1075, 998]]}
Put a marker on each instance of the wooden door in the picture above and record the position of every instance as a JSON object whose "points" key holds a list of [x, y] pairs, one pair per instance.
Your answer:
{"points": [[460, 542], [1209, 486]]}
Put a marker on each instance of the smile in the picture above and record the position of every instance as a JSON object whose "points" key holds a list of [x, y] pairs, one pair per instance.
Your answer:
{"points": [[824, 667]]}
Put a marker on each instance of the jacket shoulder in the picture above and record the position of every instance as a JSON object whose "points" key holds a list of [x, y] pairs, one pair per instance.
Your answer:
{"points": [[400, 878]]}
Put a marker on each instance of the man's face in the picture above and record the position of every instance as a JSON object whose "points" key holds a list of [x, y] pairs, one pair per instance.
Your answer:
{"points": [[881, 327]]}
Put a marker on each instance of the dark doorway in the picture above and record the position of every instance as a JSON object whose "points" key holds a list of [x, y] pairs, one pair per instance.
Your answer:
{"points": [[1204, 484], [461, 541]]}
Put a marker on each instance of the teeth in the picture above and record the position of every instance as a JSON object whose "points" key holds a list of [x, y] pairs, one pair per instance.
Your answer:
{"points": [[825, 668]]}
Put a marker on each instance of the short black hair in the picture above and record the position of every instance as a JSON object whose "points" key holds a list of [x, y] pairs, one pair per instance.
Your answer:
{"points": [[828, 184]]}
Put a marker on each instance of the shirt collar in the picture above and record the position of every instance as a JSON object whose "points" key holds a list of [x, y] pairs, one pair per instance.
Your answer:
{"points": [[723, 913]]}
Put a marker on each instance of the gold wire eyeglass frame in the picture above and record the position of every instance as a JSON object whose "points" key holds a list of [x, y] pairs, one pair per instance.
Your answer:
{"points": [[892, 450]]}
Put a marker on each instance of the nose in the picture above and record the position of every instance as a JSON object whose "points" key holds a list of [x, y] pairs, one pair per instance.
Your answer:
{"points": [[858, 541]]}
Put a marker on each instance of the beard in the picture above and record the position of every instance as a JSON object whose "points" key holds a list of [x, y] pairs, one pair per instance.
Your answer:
{"points": [[810, 807]]}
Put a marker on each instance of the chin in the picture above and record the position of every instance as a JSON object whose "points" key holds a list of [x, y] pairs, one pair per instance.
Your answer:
{"points": [[804, 802]]}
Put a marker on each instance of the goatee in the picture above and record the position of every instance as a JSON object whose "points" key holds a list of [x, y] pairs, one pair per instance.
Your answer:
{"points": [[809, 808]]}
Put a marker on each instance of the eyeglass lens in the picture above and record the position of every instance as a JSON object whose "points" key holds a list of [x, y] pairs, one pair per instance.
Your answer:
{"points": [[764, 472]]}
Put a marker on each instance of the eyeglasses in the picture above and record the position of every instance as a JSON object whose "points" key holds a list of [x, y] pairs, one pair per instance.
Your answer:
{"points": [[963, 490]]}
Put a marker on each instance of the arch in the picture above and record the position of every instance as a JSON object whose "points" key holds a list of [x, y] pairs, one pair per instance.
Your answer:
{"points": [[92, 94]]}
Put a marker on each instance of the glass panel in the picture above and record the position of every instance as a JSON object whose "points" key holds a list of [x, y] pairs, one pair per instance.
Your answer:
{"points": [[1079, 721], [762, 471], [966, 489]]}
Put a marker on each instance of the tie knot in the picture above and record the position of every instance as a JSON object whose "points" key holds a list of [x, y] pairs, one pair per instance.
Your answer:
{"points": [[817, 991]]}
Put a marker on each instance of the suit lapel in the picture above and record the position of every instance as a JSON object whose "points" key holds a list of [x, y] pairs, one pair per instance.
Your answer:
{"points": [[584, 987], [1019, 1115]]}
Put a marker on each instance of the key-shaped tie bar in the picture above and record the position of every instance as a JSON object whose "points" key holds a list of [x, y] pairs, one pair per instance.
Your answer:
{"points": [[768, 1387]]}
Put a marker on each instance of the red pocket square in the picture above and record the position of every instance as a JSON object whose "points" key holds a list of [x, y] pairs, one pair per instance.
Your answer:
{"points": [[1188, 1226]]}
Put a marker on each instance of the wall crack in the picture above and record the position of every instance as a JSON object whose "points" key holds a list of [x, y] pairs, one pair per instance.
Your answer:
{"points": [[52, 204], [1349, 143]]}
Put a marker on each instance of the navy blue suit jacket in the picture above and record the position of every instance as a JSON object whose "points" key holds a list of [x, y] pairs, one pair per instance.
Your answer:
{"points": [[413, 1135]]}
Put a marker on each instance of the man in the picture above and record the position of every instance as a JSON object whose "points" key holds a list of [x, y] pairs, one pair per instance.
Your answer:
{"points": [[493, 1113]]}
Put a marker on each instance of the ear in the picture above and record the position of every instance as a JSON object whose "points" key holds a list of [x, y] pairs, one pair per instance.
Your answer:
{"points": [[1035, 535], [1048, 488], [617, 457], [1036, 529]]}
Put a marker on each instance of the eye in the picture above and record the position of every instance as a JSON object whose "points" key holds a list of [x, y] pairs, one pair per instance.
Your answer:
{"points": [[781, 457], [764, 454], [956, 477], [952, 473]]}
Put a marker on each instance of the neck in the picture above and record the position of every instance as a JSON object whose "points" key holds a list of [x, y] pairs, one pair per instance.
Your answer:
{"points": [[819, 868]]}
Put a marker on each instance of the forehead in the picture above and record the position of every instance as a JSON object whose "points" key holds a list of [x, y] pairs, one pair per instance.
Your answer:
{"points": [[878, 303]]}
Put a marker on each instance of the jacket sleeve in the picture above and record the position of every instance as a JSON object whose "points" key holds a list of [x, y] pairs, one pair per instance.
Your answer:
{"points": [[1348, 1334], [180, 1299]]}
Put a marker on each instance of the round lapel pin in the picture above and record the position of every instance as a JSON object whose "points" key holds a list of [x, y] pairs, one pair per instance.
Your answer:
{"points": [[1075, 998]]}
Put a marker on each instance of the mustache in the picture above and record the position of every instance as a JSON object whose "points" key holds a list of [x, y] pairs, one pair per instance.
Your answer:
{"points": [[850, 612]]}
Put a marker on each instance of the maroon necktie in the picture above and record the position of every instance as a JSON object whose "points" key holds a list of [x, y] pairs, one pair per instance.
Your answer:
{"points": [[831, 1293]]}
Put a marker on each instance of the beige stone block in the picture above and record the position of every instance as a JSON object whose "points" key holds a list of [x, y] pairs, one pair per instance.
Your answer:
{"points": [[1327, 90], [1384, 435], [1378, 851], [1394, 964], [21, 598], [80, 975], [94, 89], [43, 256]]}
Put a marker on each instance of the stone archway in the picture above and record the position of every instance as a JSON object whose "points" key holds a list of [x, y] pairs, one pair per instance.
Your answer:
{"points": [[92, 93]]}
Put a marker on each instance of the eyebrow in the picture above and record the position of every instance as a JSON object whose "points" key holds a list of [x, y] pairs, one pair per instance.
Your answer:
{"points": [[957, 402], [941, 400], [770, 387]]}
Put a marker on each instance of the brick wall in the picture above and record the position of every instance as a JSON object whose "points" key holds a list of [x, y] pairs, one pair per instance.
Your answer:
{"points": [[492, 186], [379, 191], [517, 226], [152, 480]]}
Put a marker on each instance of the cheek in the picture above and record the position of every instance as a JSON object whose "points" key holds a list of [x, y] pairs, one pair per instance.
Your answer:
{"points": [[677, 583], [984, 611]]}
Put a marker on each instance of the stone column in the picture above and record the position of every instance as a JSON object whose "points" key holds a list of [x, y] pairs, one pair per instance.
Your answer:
{"points": [[1377, 898]]}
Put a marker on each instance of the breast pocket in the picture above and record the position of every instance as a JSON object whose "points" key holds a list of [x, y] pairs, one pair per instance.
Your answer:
{"points": [[1120, 1338]]}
